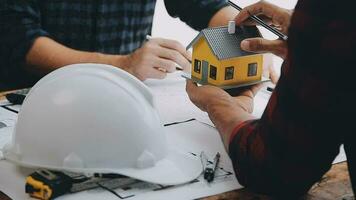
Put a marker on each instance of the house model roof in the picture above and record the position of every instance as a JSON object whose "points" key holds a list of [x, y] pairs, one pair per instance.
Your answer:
{"points": [[225, 45]]}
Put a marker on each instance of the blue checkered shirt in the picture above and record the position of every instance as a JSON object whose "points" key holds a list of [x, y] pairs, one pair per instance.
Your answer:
{"points": [[106, 26]]}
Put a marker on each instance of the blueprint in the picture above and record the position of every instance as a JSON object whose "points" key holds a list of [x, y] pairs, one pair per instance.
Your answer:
{"points": [[7, 123], [173, 102], [193, 137]]}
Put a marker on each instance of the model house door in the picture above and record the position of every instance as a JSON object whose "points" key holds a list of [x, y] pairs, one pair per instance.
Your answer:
{"points": [[205, 72]]}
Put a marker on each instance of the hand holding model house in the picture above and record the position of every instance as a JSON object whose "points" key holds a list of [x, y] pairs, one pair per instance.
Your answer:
{"points": [[218, 59]]}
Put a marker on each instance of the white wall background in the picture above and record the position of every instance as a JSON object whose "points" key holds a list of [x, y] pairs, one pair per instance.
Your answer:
{"points": [[172, 28]]}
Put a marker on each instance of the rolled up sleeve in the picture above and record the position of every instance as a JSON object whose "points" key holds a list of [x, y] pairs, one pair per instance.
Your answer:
{"points": [[21, 25], [196, 13]]}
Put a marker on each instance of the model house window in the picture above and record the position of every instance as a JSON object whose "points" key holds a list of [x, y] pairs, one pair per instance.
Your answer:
{"points": [[229, 73], [213, 71], [197, 66], [252, 69]]}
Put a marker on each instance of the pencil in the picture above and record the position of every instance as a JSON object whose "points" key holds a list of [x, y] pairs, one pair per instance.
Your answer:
{"points": [[261, 22]]}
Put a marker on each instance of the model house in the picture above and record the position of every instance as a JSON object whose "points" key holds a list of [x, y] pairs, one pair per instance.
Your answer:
{"points": [[219, 60]]}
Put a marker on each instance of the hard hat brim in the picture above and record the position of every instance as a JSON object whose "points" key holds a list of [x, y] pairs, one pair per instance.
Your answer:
{"points": [[175, 169]]}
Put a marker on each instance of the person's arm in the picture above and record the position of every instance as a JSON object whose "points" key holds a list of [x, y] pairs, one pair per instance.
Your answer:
{"points": [[153, 60], [294, 143], [224, 111], [198, 14], [223, 16], [27, 45], [46, 55]]}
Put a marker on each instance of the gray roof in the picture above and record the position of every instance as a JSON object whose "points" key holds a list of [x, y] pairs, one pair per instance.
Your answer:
{"points": [[225, 45]]}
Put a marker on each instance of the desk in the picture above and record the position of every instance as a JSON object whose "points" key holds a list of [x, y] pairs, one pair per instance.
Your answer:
{"points": [[335, 184]]}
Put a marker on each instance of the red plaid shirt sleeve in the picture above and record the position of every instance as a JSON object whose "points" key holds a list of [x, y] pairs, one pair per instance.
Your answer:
{"points": [[299, 135]]}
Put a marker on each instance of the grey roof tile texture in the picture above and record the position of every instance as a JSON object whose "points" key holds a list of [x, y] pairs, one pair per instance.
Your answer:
{"points": [[225, 45]]}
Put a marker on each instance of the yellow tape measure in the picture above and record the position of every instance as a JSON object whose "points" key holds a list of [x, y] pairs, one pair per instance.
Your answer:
{"points": [[46, 185]]}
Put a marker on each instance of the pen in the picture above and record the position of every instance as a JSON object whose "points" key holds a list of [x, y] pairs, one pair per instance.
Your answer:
{"points": [[210, 169], [148, 37], [261, 22]]}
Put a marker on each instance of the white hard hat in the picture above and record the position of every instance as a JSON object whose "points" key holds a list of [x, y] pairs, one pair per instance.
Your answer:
{"points": [[94, 118]]}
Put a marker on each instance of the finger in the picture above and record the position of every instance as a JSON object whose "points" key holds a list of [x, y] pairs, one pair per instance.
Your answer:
{"points": [[187, 68], [260, 45], [190, 86], [256, 88], [262, 7], [175, 45], [254, 9], [194, 96], [156, 73], [248, 91], [174, 56], [251, 22], [165, 65]]}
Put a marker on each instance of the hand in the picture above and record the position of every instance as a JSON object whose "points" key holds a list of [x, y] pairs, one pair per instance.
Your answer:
{"points": [[204, 96], [271, 14], [156, 58], [224, 110], [207, 96]]}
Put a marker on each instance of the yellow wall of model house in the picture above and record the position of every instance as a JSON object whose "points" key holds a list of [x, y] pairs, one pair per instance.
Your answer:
{"points": [[201, 51], [241, 69]]}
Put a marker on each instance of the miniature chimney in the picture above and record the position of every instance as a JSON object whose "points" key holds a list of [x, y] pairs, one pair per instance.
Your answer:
{"points": [[231, 28]]}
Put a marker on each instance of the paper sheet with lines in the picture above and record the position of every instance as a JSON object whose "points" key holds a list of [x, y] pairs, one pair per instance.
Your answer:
{"points": [[192, 137]]}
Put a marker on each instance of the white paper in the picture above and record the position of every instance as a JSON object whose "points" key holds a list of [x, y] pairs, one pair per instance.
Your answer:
{"points": [[191, 137], [260, 102], [14, 107], [341, 157], [173, 105], [172, 101], [4, 102], [7, 123]]}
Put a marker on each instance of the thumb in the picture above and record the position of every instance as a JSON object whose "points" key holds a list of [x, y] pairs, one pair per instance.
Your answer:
{"points": [[260, 45], [190, 85]]}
